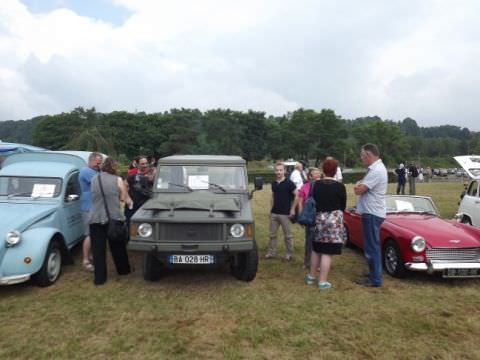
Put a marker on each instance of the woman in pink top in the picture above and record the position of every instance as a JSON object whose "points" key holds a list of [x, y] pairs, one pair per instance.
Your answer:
{"points": [[313, 175]]}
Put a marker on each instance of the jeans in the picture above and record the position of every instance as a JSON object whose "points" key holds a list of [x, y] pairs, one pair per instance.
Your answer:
{"points": [[372, 247], [401, 188]]}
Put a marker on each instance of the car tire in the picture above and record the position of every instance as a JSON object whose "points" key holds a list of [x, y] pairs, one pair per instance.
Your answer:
{"points": [[51, 267], [244, 265], [466, 220], [393, 261], [151, 267]]}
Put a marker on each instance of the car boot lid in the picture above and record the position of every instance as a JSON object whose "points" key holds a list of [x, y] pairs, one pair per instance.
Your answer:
{"points": [[471, 165]]}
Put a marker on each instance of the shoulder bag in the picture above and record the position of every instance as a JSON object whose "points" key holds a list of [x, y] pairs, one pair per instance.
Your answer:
{"points": [[117, 229], [309, 212]]}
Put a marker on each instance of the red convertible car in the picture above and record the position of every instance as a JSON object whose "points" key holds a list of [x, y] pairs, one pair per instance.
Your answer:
{"points": [[415, 238]]}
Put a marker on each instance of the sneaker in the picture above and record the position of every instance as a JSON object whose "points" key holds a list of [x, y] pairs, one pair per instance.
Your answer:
{"points": [[288, 258], [269, 256], [324, 285], [88, 266], [309, 280]]}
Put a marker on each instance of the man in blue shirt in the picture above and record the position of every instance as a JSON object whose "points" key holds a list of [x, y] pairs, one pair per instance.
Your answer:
{"points": [[85, 179], [371, 205]]}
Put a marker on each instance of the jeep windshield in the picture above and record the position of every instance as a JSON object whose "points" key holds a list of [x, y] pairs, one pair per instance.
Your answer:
{"points": [[188, 178], [23, 186]]}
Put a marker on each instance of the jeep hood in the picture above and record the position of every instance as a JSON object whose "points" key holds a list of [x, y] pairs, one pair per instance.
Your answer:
{"points": [[471, 164], [195, 201]]}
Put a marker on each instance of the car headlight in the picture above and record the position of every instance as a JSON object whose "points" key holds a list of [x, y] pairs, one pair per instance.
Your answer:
{"points": [[418, 243], [13, 237], [145, 230], [237, 230]]}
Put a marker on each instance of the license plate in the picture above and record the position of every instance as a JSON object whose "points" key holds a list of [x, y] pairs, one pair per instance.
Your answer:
{"points": [[461, 273], [192, 259]]}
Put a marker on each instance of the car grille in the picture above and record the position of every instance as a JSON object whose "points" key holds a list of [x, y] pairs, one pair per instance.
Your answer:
{"points": [[453, 255], [193, 232]]}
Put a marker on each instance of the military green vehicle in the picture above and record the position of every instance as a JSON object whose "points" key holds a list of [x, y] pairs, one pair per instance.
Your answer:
{"points": [[199, 214]]}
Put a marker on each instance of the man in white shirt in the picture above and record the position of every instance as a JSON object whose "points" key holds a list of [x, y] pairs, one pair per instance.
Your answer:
{"points": [[298, 176]]}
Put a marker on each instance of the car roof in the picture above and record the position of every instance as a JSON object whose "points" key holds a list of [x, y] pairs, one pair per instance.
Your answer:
{"points": [[42, 163], [201, 159], [471, 165], [6, 147], [38, 169]]}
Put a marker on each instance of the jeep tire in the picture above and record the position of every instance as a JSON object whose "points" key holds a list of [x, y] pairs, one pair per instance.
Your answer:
{"points": [[151, 267], [244, 265]]}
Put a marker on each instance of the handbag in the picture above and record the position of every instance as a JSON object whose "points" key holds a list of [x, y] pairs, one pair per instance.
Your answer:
{"points": [[309, 212], [117, 229]]}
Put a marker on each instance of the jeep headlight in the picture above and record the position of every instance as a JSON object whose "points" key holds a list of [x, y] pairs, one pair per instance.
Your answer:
{"points": [[145, 230], [13, 237], [418, 243], [237, 230]]}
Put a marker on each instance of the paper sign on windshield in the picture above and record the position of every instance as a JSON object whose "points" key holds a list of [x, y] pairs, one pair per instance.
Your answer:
{"points": [[43, 190], [198, 181], [404, 205]]}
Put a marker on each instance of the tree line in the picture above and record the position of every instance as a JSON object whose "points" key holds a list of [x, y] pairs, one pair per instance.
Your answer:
{"points": [[301, 134]]}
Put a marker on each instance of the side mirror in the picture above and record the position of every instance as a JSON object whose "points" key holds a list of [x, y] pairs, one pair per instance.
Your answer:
{"points": [[258, 185], [72, 197]]}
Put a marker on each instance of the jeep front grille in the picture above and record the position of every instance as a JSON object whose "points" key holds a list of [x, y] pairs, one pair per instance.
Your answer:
{"points": [[454, 254], [191, 232]]}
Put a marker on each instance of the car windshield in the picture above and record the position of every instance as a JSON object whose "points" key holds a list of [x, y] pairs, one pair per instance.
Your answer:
{"points": [[18, 186], [410, 204], [187, 178]]}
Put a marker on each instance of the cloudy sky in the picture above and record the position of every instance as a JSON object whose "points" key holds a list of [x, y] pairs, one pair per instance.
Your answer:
{"points": [[394, 59]]}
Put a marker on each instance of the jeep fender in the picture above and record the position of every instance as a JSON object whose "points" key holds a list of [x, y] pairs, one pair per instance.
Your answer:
{"points": [[33, 244]]}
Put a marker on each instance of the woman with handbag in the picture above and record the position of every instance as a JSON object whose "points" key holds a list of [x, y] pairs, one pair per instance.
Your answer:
{"points": [[108, 222], [331, 199]]}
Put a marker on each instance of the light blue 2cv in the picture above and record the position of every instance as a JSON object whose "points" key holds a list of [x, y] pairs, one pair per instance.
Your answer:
{"points": [[41, 219]]}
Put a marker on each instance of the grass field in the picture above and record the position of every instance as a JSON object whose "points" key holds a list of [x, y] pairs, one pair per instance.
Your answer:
{"points": [[207, 314]]}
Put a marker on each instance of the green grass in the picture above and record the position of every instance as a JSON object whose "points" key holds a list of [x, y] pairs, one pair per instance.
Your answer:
{"points": [[208, 314]]}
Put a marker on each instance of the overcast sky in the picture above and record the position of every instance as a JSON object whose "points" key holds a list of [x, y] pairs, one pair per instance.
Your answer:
{"points": [[394, 59]]}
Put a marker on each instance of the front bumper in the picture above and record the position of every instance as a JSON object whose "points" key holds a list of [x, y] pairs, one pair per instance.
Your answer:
{"points": [[444, 266], [14, 279], [192, 248]]}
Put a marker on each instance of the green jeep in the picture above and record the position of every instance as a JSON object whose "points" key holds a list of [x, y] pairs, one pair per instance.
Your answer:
{"points": [[199, 214]]}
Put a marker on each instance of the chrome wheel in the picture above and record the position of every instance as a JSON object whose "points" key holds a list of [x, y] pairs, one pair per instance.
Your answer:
{"points": [[392, 260], [54, 264]]}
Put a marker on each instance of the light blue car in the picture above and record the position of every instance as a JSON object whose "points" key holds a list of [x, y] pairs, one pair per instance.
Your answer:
{"points": [[40, 215]]}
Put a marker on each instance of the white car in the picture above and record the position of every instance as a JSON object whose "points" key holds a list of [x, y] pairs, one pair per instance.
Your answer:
{"points": [[469, 210]]}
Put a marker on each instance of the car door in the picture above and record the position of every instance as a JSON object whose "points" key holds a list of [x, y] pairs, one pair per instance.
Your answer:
{"points": [[470, 204], [72, 216]]}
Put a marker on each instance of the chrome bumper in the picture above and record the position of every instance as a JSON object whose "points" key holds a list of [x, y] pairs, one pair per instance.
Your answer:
{"points": [[440, 266], [14, 279]]}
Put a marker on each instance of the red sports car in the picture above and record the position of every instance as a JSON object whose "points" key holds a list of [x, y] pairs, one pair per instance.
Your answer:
{"points": [[415, 238]]}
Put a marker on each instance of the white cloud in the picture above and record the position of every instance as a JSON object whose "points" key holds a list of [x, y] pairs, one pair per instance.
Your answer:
{"points": [[393, 59]]}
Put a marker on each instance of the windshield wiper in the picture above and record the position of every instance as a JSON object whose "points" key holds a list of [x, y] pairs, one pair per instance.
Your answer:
{"points": [[182, 186], [9, 196], [215, 185]]}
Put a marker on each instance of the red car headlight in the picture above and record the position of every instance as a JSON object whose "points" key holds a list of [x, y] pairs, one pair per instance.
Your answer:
{"points": [[418, 243]]}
